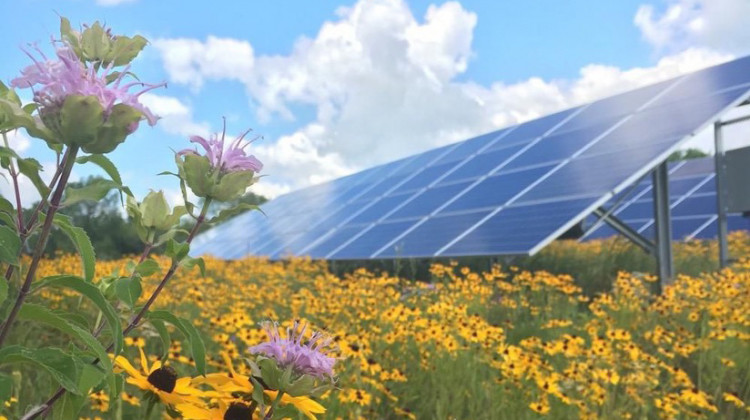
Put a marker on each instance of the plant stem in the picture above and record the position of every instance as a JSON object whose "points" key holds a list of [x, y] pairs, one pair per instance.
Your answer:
{"points": [[136, 319], [26, 232], [41, 244], [276, 401], [16, 190]]}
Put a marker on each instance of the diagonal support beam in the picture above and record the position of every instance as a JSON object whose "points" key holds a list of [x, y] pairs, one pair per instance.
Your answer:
{"points": [[621, 227]]}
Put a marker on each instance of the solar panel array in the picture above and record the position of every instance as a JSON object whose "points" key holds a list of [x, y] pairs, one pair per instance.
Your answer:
{"points": [[692, 192], [507, 192]]}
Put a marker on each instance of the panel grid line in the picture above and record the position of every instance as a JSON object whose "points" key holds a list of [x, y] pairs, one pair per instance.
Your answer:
{"points": [[482, 178], [560, 165]]}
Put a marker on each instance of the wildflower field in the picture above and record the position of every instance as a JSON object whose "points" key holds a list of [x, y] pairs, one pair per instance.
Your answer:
{"points": [[500, 344]]}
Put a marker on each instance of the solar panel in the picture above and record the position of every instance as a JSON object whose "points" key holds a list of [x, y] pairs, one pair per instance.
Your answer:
{"points": [[692, 191], [511, 191]]}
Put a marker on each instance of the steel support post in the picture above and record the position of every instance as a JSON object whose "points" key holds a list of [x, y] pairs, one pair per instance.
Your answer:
{"points": [[721, 193], [663, 225]]}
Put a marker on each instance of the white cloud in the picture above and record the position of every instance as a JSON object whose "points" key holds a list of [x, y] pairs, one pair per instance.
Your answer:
{"points": [[190, 61], [384, 85], [717, 24], [175, 116]]}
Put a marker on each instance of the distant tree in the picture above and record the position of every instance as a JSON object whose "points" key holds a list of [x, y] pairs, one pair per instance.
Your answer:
{"points": [[686, 154]]}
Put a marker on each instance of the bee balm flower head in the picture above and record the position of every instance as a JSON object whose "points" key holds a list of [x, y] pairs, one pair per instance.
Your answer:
{"points": [[223, 172], [84, 105], [310, 357]]}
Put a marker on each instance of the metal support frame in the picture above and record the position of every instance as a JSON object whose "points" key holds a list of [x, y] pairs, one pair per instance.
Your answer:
{"points": [[720, 166], [663, 224], [626, 231]]}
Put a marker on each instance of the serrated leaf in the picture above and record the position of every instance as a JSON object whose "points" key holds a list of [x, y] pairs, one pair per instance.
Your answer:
{"points": [[95, 296], [58, 364], [128, 289], [82, 243], [40, 314], [10, 245], [197, 347], [95, 190]]}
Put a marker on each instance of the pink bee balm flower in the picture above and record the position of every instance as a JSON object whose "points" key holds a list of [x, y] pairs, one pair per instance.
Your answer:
{"points": [[67, 75], [226, 159], [309, 358]]}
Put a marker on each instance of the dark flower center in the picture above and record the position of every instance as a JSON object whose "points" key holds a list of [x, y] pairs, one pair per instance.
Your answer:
{"points": [[238, 411], [164, 379]]}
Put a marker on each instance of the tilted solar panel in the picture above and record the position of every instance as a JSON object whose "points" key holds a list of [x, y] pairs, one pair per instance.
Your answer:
{"points": [[692, 191], [506, 192]]}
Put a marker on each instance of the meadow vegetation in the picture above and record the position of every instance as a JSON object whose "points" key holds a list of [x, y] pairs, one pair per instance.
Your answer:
{"points": [[504, 343]]}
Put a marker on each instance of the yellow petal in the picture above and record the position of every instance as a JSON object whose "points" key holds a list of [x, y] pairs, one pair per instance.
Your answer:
{"points": [[125, 365], [144, 362]]}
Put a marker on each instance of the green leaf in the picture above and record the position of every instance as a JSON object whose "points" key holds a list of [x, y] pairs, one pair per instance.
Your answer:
{"points": [[82, 243], [125, 49], [166, 339], [70, 405], [147, 268], [40, 314], [128, 289], [95, 190], [80, 119], [95, 296], [31, 168], [104, 163], [6, 387], [197, 347], [233, 211], [58, 364], [232, 185], [108, 167], [196, 171], [95, 42], [67, 34], [115, 129], [3, 290], [188, 263], [10, 245], [176, 250], [6, 206], [13, 116]]}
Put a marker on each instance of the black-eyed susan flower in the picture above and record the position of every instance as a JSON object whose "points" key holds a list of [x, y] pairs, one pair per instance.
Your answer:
{"points": [[161, 381]]}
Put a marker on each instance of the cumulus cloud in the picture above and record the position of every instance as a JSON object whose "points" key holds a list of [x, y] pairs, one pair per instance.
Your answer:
{"points": [[176, 117], [716, 24], [384, 84]]}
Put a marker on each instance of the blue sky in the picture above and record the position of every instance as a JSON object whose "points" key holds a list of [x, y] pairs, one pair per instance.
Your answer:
{"points": [[337, 86]]}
